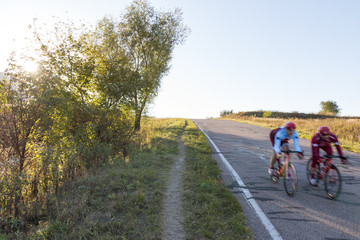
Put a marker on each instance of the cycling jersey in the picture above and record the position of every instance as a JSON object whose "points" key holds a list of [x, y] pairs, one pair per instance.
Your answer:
{"points": [[279, 136], [317, 143]]}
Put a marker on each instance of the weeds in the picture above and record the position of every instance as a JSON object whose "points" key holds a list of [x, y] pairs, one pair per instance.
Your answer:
{"points": [[121, 200], [211, 210], [124, 198]]}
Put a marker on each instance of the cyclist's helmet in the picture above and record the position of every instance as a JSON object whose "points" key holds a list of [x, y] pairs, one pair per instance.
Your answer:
{"points": [[290, 126], [324, 130]]}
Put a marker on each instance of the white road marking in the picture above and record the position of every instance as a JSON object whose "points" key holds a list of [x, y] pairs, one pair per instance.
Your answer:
{"points": [[246, 193], [262, 157]]}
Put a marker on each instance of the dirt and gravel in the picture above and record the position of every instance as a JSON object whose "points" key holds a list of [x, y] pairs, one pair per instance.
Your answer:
{"points": [[173, 217]]}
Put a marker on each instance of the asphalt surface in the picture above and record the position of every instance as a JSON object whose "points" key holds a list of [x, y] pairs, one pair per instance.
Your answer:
{"points": [[310, 214]]}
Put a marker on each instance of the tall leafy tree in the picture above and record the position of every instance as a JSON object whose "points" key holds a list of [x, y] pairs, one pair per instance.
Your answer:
{"points": [[112, 75], [148, 38], [329, 107]]}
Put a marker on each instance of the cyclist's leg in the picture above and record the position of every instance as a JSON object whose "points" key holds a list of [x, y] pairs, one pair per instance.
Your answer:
{"points": [[285, 147], [313, 165], [313, 179], [273, 156], [309, 175], [273, 159]]}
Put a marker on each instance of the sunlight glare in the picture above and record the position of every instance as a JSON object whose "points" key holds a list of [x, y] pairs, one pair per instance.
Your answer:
{"points": [[30, 66]]}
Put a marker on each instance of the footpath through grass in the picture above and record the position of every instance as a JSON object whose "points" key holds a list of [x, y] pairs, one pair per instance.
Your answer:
{"points": [[124, 199]]}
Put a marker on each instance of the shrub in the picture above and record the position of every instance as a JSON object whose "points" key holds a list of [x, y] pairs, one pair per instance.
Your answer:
{"points": [[267, 114]]}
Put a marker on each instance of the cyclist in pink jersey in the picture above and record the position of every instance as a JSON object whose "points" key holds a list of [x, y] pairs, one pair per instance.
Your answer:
{"points": [[322, 140], [279, 138]]}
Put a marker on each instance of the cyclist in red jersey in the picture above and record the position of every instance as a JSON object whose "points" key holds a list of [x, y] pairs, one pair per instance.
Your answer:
{"points": [[322, 140], [279, 138]]}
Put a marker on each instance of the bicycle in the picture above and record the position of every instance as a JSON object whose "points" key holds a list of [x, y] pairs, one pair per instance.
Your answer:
{"points": [[328, 172], [288, 172]]}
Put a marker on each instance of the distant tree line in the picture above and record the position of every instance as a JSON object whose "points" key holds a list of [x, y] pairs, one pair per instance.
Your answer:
{"points": [[226, 112], [84, 104], [328, 109]]}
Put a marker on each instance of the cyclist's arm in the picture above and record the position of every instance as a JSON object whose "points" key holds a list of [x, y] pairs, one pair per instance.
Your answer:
{"points": [[315, 151], [296, 142], [337, 145], [277, 143], [315, 141]]}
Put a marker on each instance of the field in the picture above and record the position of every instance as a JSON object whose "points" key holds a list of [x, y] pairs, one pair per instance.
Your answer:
{"points": [[346, 129]]}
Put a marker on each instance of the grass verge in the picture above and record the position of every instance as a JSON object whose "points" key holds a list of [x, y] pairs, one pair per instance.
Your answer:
{"points": [[211, 210], [124, 199]]}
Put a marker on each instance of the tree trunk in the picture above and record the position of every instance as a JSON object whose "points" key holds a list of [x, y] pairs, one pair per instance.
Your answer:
{"points": [[137, 125], [18, 192], [138, 113]]}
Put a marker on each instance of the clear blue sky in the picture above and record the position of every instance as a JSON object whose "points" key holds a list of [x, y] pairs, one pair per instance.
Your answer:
{"points": [[241, 55]]}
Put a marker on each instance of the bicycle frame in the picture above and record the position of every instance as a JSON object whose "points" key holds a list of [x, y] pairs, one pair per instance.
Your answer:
{"points": [[327, 165], [287, 170], [329, 173], [284, 166]]}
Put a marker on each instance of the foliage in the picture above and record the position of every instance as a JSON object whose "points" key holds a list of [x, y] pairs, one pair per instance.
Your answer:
{"points": [[80, 109], [20, 110], [267, 114], [225, 112], [329, 107], [275, 114], [122, 199], [148, 38]]}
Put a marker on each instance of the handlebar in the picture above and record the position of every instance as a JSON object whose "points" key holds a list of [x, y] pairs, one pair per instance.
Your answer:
{"points": [[291, 151]]}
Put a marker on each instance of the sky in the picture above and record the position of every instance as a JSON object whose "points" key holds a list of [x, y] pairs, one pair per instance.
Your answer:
{"points": [[241, 55]]}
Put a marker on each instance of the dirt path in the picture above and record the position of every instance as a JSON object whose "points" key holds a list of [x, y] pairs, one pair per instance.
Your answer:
{"points": [[173, 217]]}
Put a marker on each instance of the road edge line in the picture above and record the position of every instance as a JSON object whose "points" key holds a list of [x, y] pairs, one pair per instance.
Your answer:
{"points": [[246, 193]]}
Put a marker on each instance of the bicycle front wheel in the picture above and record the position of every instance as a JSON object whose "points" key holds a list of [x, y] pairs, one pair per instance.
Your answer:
{"points": [[333, 182], [290, 179]]}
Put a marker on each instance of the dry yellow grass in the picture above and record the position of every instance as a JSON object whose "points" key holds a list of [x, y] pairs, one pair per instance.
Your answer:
{"points": [[347, 130]]}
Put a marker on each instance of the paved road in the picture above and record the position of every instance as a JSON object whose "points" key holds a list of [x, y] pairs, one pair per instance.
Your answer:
{"points": [[307, 215]]}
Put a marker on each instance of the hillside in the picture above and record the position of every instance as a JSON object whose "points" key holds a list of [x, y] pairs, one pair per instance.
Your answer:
{"points": [[347, 129], [275, 114]]}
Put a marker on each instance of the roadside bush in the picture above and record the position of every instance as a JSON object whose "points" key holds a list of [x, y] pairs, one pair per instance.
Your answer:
{"points": [[267, 114]]}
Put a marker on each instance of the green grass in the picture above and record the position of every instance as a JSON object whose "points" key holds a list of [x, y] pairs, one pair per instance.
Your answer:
{"points": [[124, 198], [211, 210]]}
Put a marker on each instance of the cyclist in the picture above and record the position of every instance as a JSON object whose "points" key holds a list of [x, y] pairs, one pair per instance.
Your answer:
{"points": [[323, 139], [279, 138]]}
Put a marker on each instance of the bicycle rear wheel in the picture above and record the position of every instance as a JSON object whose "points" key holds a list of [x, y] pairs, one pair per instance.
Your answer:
{"points": [[290, 179], [333, 182]]}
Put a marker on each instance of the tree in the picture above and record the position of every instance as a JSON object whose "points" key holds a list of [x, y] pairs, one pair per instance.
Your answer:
{"points": [[224, 113], [329, 107], [148, 38], [20, 110]]}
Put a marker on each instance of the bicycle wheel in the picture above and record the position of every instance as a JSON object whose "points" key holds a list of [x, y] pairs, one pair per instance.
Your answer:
{"points": [[308, 173], [333, 182], [290, 179]]}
